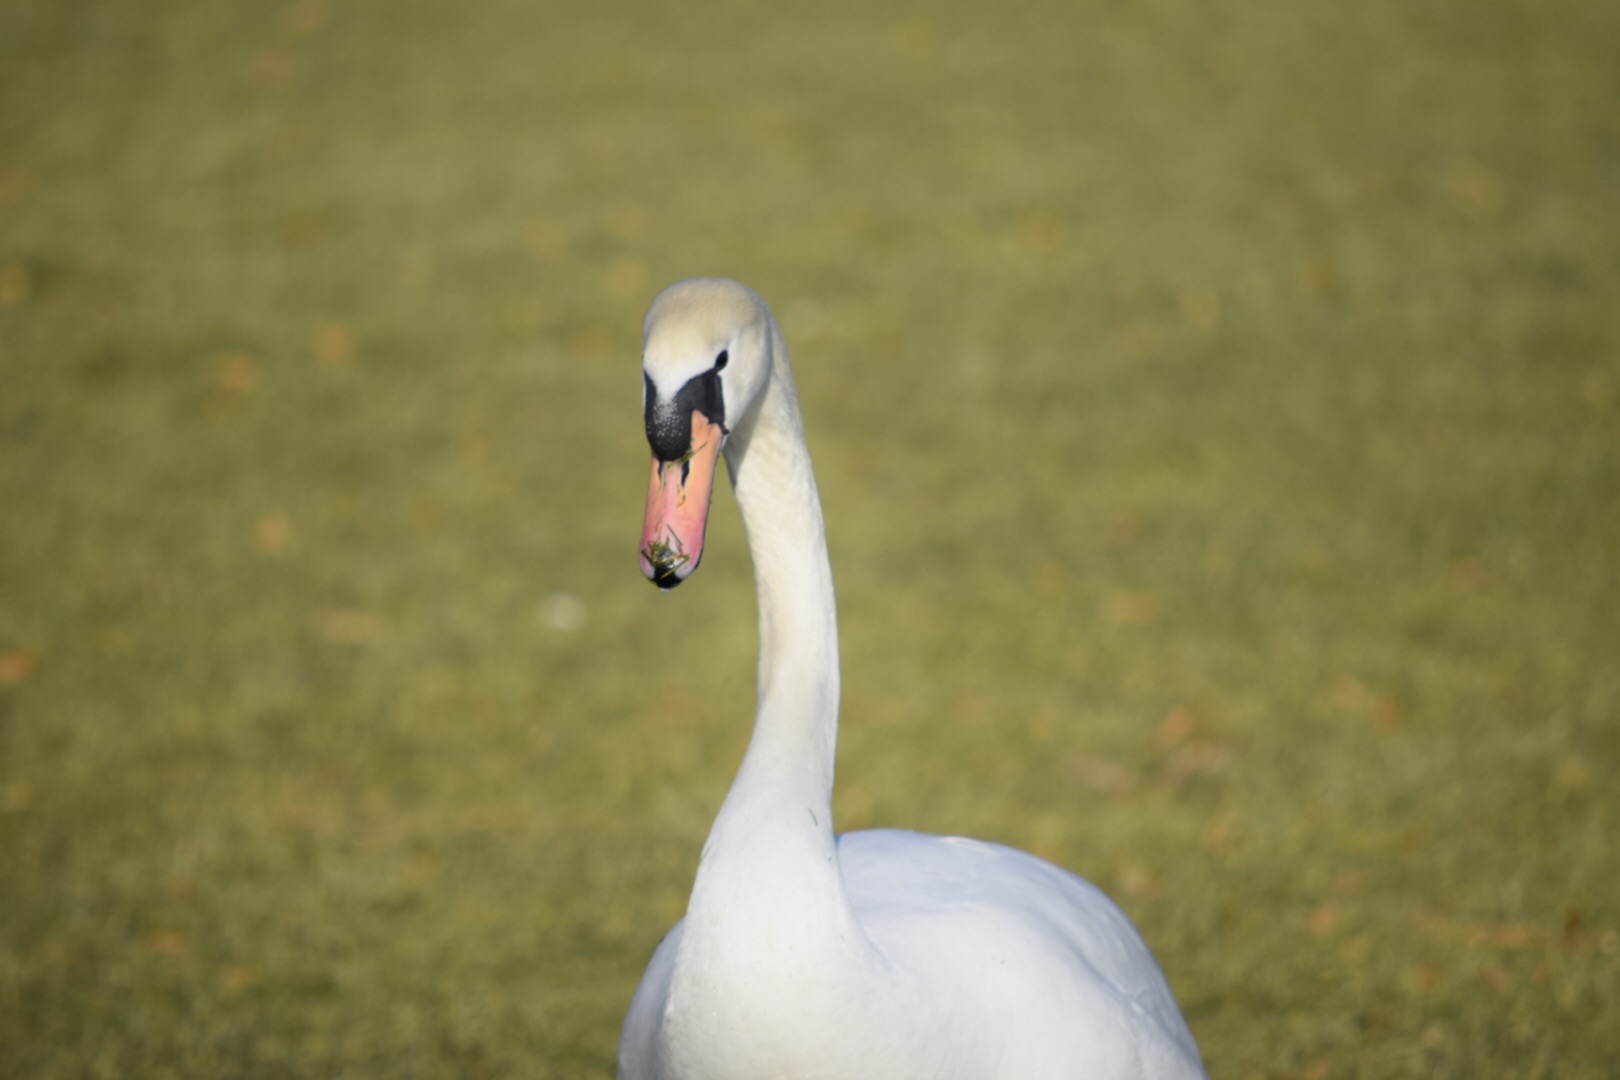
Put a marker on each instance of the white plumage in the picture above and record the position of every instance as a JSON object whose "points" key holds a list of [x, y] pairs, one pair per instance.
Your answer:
{"points": [[882, 954]]}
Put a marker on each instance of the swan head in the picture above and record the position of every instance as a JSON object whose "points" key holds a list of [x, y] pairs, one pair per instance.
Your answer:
{"points": [[705, 360]]}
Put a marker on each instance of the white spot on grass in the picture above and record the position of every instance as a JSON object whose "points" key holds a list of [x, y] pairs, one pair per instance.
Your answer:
{"points": [[563, 612]]}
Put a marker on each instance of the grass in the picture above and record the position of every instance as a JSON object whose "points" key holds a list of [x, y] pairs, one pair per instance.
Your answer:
{"points": [[1217, 411]]}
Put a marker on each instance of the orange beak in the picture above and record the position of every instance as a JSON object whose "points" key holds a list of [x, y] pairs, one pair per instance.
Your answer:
{"points": [[678, 507]]}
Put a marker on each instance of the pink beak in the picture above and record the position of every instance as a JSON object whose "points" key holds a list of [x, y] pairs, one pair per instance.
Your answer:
{"points": [[678, 507]]}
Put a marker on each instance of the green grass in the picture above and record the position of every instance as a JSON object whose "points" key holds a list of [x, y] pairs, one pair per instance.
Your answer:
{"points": [[1217, 411]]}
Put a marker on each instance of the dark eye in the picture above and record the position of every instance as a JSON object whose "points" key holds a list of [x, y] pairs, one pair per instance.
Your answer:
{"points": [[720, 361]]}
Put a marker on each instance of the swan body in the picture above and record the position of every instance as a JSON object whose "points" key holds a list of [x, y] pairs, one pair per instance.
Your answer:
{"points": [[882, 954]]}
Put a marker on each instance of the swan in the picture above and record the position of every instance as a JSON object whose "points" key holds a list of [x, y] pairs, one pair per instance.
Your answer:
{"points": [[880, 954]]}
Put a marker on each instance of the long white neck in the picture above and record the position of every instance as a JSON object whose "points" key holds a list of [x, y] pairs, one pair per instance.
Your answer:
{"points": [[768, 916], [796, 721], [778, 813]]}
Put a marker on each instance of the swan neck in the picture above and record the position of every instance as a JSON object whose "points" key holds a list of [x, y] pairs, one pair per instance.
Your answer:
{"points": [[796, 718]]}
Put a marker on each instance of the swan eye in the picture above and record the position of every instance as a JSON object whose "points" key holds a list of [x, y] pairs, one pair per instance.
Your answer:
{"points": [[720, 361]]}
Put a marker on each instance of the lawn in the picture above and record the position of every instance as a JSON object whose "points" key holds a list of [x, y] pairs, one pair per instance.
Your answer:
{"points": [[1217, 414]]}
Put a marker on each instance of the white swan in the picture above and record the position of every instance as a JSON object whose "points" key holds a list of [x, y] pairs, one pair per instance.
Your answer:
{"points": [[883, 954]]}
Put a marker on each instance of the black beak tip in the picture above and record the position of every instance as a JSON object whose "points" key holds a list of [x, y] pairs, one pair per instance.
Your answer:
{"points": [[664, 577]]}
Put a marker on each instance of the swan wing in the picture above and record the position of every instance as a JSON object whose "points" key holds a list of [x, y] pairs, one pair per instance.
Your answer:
{"points": [[638, 1039], [1042, 951]]}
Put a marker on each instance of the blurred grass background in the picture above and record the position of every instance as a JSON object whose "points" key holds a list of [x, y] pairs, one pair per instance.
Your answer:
{"points": [[1217, 410]]}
